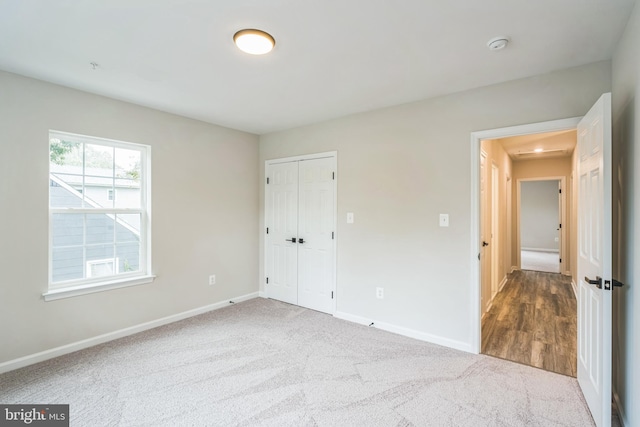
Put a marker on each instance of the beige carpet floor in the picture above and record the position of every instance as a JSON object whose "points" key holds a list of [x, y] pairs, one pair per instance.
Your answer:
{"points": [[262, 362]]}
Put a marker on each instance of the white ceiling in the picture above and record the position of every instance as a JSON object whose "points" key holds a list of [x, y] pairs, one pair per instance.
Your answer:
{"points": [[332, 57]]}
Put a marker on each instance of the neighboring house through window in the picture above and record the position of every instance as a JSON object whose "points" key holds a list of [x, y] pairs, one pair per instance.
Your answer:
{"points": [[99, 213]]}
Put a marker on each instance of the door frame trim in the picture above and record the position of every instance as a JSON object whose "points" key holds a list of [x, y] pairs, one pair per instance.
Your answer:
{"points": [[475, 341], [495, 248], [303, 157]]}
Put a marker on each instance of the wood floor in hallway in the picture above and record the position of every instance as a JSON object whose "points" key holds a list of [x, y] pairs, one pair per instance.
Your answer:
{"points": [[533, 321]]}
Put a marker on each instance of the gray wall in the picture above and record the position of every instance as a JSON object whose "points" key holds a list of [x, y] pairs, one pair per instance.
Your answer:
{"points": [[204, 215], [539, 215], [398, 169], [626, 218]]}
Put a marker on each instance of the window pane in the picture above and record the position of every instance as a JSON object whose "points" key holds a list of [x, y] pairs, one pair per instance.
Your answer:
{"points": [[128, 173], [67, 230], [128, 228], [100, 229], [98, 160], [96, 192], [67, 264], [128, 255], [99, 252], [64, 155], [65, 191], [128, 194], [100, 261], [128, 164]]}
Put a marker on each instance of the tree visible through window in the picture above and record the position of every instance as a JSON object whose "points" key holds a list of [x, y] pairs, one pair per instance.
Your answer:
{"points": [[98, 209]]}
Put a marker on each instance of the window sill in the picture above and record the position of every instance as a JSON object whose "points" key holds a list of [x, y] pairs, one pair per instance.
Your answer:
{"points": [[74, 291]]}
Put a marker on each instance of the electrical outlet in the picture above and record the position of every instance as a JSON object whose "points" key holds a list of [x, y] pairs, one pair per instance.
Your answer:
{"points": [[212, 279], [380, 293], [444, 220]]}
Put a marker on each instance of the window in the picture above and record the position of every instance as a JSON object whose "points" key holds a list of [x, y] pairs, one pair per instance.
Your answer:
{"points": [[98, 213]]}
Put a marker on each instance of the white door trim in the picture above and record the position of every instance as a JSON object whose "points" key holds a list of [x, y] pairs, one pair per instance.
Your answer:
{"points": [[476, 137], [495, 230], [563, 214], [312, 156], [302, 157]]}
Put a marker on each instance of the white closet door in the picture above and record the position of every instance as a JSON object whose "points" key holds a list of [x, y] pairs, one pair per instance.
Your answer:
{"points": [[281, 217], [316, 233]]}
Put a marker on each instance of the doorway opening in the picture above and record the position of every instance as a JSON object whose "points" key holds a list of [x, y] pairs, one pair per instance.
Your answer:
{"points": [[528, 307], [540, 222]]}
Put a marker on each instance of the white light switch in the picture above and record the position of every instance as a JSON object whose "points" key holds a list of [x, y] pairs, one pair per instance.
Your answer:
{"points": [[444, 220], [349, 217]]}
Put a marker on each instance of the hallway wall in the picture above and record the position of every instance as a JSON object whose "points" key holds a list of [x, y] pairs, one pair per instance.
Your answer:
{"points": [[497, 156]]}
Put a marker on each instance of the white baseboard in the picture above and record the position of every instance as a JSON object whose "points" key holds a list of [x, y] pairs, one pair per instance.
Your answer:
{"points": [[487, 308], [411, 333], [540, 250], [514, 268], [262, 294], [621, 413], [110, 336], [575, 289], [502, 283]]}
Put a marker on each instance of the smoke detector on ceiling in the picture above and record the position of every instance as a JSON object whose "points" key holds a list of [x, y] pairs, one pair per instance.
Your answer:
{"points": [[498, 43]]}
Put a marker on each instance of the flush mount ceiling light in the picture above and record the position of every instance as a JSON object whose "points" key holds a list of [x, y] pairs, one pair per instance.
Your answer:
{"points": [[255, 42], [498, 43], [538, 150]]}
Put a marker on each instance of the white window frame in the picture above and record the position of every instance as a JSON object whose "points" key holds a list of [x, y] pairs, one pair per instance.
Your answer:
{"points": [[89, 284]]}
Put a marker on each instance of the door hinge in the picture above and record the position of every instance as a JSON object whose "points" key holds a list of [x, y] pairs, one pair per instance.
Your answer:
{"points": [[560, 226], [267, 180], [267, 230], [331, 294], [560, 260], [332, 235], [267, 280], [334, 175], [560, 191], [478, 256]]}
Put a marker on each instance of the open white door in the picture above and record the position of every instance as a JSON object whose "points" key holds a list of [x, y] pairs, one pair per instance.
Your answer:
{"points": [[594, 259]]}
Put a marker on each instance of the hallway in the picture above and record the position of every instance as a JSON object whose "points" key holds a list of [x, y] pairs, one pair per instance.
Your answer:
{"points": [[533, 321]]}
